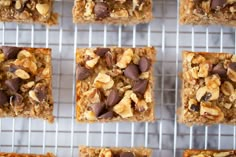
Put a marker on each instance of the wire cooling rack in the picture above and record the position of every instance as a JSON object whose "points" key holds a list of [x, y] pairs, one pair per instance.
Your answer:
{"points": [[166, 137]]}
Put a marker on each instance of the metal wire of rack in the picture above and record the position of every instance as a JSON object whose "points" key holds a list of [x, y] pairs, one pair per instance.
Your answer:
{"points": [[166, 137]]}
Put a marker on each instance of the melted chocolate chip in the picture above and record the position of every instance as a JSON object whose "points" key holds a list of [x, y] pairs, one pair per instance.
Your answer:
{"points": [[3, 97], [206, 97], [10, 52], [107, 115], [16, 99], [132, 71], [215, 4], [82, 73], [127, 154], [101, 10], [144, 64], [195, 108], [13, 84], [41, 93], [219, 69], [232, 66], [109, 60], [113, 98], [98, 108], [101, 51], [140, 86]]}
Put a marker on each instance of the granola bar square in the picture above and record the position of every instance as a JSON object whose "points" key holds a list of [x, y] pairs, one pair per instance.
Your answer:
{"points": [[208, 88], [115, 84], [26, 82]]}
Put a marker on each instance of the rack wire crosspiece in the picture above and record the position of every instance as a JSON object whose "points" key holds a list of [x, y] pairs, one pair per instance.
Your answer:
{"points": [[166, 137]]}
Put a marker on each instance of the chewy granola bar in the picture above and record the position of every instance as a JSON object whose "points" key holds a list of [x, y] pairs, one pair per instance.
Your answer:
{"points": [[202, 12], [209, 88], [115, 84], [25, 82], [28, 11], [209, 153], [114, 152], [2, 154], [112, 11]]}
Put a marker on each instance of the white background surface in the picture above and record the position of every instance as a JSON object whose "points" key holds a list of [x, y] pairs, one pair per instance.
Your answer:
{"points": [[166, 137]]}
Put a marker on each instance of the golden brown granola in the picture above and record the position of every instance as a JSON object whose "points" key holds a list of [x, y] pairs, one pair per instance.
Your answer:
{"points": [[202, 12], [209, 153], [2, 154], [112, 12], [208, 89], [25, 83], [115, 84], [114, 152], [28, 11]]}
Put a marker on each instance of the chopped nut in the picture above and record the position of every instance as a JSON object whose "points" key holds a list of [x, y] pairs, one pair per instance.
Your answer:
{"points": [[193, 105], [189, 56], [212, 81], [122, 13], [206, 5], [93, 95], [27, 86], [23, 54], [43, 9], [227, 105], [89, 8], [5, 3], [227, 88], [32, 94], [222, 154], [103, 81], [105, 153], [144, 75], [91, 63], [1, 57], [148, 94], [194, 72], [232, 97], [198, 59], [123, 108], [90, 115], [211, 112], [203, 71], [90, 53], [207, 94], [125, 59], [231, 74], [22, 74]]}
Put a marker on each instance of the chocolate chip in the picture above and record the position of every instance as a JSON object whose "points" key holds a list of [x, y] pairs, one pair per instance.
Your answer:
{"points": [[41, 93], [113, 98], [3, 97], [206, 97], [215, 4], [13, 68], [10, 52], [219, 69], [13, 84], [101, 10], [109, 60], [195, 108], [140, 86], [107, 115], [144, 64], [16, 99], [232, 66], [97, 108], [82, 73], [127, 154], [132, 71], [101, 51]]}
